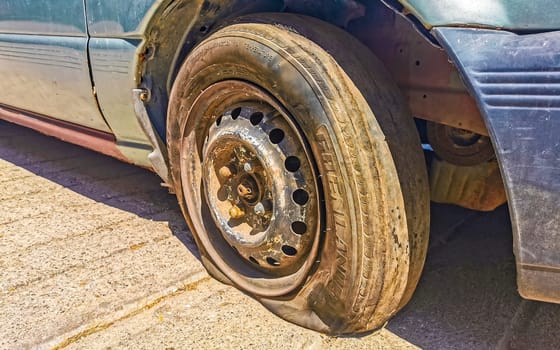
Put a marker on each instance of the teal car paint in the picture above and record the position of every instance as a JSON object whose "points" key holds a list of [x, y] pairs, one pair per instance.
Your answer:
{"points": [[117, 35], [44, 62], [56, 17], [113, 65], [515, 15], [121, 19]]}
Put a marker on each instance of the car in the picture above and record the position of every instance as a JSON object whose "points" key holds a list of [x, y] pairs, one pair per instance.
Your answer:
{"points": [[294, 132]]}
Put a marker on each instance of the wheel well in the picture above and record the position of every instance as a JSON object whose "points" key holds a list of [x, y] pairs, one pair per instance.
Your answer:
{"points": [[174, 30], [421, 69]]}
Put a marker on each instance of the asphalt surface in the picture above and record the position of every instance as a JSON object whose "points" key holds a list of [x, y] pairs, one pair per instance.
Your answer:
{"points": [[94, 254]]}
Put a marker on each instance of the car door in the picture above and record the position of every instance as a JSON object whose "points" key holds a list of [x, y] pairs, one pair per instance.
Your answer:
{"points": [[44, 61]]}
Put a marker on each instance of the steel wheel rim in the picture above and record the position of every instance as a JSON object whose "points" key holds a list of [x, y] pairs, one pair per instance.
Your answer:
{"points": [[252, 164]]}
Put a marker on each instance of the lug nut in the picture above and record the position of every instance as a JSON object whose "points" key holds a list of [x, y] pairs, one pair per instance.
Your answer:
{"points": [[225, 172], [145, 95], [236, 213]]}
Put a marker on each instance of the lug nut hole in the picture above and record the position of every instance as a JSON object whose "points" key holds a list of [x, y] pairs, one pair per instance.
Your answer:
{"points": [[253, 260], [272, 261], [256, 118], [235, 113], [289, 250], [299, 228], [292, 164], [276, 136], [300, 197]]}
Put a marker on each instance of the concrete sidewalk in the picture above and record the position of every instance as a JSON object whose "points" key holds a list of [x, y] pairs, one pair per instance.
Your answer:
{"points": [[94, 254]]}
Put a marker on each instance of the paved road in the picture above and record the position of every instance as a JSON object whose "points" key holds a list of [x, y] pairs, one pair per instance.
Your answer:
{"points": [[94, 254]]}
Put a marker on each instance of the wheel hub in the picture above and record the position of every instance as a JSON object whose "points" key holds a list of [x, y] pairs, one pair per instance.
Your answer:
{"points": [[248, 189], [458, 146], [260, 187]]}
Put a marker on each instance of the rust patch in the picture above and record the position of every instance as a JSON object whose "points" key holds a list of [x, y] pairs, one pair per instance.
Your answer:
{"points": [[96, 140], [426, 77]]}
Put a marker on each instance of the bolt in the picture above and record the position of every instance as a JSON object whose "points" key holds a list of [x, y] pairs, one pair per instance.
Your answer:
{"points": [[144, 95], [259, 209], [236, 213], [225, 172]]}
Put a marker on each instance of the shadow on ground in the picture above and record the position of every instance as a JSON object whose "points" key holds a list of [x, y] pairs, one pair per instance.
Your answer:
{"points": [[94, 176], [467, 297]]}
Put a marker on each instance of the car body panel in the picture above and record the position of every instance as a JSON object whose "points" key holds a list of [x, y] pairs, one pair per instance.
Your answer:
{"points": [[44, 62], [113, 68], [516, 81], [53, 17], [120, 32], [49, 76], [515, 15], [121, 19]]}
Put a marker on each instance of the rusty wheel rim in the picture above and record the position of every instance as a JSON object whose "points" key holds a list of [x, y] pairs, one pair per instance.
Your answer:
{"points": [[258, 210]]}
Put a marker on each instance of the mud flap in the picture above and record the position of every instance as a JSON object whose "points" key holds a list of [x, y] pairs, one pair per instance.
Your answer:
{"points": [[515, 80]]}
